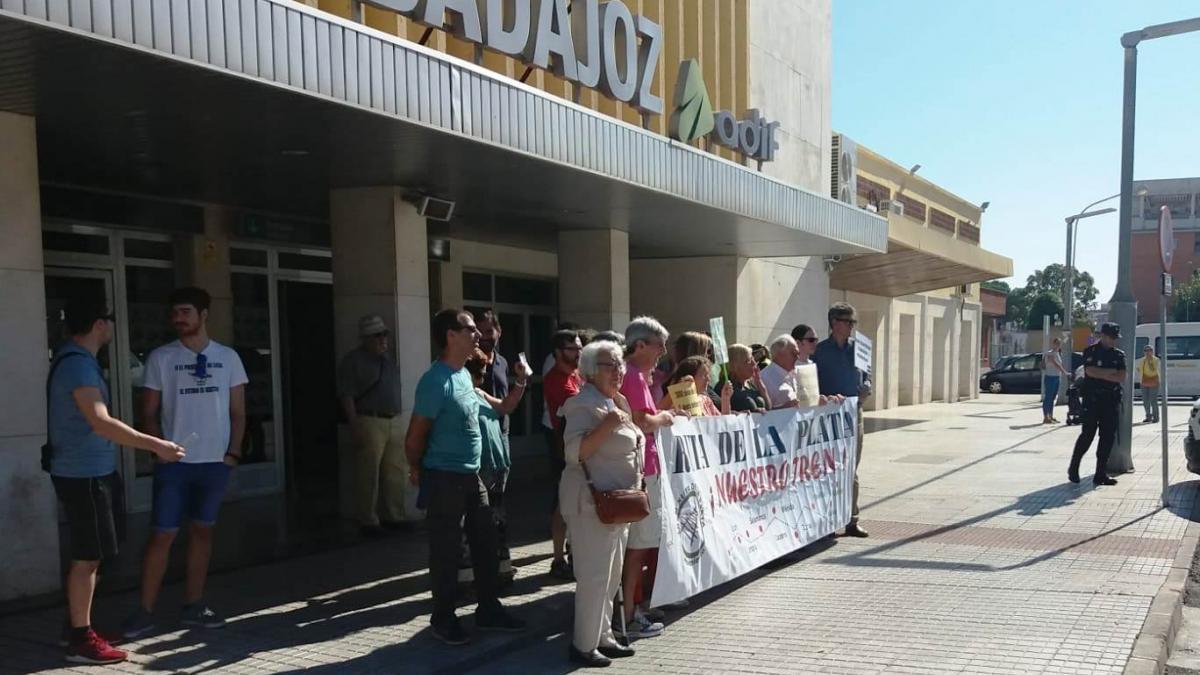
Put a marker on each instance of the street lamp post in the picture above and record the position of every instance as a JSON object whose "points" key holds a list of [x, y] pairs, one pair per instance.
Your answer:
{"points": [[1068, 347], [1123, 303]]}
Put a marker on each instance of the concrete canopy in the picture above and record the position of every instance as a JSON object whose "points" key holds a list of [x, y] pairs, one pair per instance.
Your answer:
{"points": [[268, 105]]}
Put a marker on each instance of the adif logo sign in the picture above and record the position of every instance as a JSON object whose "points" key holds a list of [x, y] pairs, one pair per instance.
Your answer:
{"points": [[598, 45], [694, 118]]}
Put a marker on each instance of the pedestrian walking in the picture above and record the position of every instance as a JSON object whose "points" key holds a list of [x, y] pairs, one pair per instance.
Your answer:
{"points": [[81, 456], [1148, 370], [1104, 374], [1053, 367], [368, 383], [194, 395], [445, 448]]}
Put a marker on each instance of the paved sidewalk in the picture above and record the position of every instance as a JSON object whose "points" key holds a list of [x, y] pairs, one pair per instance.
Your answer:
{"points": [[983, 559]]}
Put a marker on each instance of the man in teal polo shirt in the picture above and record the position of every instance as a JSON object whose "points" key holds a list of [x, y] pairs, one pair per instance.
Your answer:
{"points": [[444, 446]]}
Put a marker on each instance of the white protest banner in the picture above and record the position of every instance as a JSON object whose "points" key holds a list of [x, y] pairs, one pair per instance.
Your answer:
{"points": [[741, 490], [716, 327], [862, 352]]}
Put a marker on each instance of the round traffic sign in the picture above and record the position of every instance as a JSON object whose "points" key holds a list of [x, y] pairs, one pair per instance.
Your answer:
{"points": [[1166, 238]]}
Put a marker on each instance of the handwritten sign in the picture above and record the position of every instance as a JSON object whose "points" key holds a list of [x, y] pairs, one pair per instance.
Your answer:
{"points": [[716, 326], [862, 352], [808, 388], [684, 397]]}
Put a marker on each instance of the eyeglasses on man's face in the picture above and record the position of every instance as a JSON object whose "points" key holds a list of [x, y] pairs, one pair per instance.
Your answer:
{"points": [[847, 321], [610, 365]]}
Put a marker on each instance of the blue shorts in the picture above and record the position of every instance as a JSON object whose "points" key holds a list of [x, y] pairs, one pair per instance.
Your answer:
{"points": [[191, 491]]}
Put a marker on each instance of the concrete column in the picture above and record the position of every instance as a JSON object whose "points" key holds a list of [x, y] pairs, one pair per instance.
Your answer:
{"points": [[775, 294], [711, 291], [207, 266], [593, 278], [381, 266], [927, 350], [29, 524], [955, 351], [450, 285]]}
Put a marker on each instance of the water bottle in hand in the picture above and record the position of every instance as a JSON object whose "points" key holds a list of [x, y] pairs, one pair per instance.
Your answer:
{"points": [[190, 440]]}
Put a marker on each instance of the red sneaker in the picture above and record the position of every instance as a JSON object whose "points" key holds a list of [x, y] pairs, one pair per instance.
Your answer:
{"points": [[95, 650]]}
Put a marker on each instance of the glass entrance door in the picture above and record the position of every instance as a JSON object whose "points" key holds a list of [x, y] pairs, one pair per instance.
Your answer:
{"points": [[283, 329], [310, 431], [65, 284]]}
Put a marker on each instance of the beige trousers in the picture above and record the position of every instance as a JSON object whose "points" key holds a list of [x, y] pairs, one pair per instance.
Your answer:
{"points": [[598, 553], [379, 463]]}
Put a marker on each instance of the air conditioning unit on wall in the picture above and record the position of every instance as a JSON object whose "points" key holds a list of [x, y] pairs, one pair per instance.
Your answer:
{"points": [[844, 174], [890, 206]]}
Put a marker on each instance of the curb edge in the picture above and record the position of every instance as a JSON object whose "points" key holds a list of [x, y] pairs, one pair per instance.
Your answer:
{"points": [[1154, 642]]}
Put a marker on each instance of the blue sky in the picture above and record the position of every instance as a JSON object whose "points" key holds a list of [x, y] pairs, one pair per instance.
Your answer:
{"points": [[1018, 102]]}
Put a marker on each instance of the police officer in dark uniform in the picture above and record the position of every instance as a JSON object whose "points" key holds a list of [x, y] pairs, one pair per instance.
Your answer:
{"points": [[1104, 374]]}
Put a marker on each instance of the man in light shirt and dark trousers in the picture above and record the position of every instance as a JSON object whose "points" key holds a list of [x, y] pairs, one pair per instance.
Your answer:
{"points": [[838, 375], [194, 396]]}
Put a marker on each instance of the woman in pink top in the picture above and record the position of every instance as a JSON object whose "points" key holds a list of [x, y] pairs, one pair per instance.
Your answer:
{"points": [[645, 343]]}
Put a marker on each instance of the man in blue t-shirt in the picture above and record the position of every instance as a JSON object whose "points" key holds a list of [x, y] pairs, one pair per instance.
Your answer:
{"points": [[444, 446], [83, 439]]}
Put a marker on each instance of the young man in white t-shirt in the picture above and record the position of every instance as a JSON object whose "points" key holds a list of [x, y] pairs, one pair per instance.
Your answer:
{"points": [[195, 396]]}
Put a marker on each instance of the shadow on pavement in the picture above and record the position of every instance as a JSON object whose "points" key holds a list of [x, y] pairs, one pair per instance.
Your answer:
{"points": [[873, 424], [955, 470], [1029, 505]]}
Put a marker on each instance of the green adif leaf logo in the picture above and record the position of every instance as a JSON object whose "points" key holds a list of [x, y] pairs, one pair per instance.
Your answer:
{"points": [[693, 114]]}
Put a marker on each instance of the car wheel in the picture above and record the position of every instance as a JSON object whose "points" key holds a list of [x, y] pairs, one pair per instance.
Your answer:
{"points": [[996, 387]]}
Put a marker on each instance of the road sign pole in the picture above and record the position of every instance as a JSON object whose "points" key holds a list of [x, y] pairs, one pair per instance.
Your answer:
{"points": [[1162, 386], [1166, 251]]}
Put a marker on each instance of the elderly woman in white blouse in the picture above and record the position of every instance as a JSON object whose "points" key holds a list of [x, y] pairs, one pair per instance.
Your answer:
{"points": [[600, 432]]}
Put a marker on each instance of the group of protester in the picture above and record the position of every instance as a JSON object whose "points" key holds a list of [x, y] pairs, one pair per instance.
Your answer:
{"points": [[606, 394]]}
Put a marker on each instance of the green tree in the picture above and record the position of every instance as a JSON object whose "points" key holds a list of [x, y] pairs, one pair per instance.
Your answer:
{"points": [[1045, 304], [1051, 279], [1185, 305], [1017, 305], [1001, 286]]}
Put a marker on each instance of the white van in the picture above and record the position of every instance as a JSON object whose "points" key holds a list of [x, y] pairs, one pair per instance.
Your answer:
{"points": [[1182, 354]]}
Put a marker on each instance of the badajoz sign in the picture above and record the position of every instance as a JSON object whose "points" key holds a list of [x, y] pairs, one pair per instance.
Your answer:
{"points": [[598, 45]]}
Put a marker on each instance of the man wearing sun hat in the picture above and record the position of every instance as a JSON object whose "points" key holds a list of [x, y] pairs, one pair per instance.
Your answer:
{"points": [[368, 387]]}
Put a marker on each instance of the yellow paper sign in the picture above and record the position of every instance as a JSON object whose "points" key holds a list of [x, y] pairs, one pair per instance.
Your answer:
{"points": [[684, 396]]}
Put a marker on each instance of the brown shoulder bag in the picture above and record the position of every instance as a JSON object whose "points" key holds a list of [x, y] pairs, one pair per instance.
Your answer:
{"points": [[617, 507]]}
